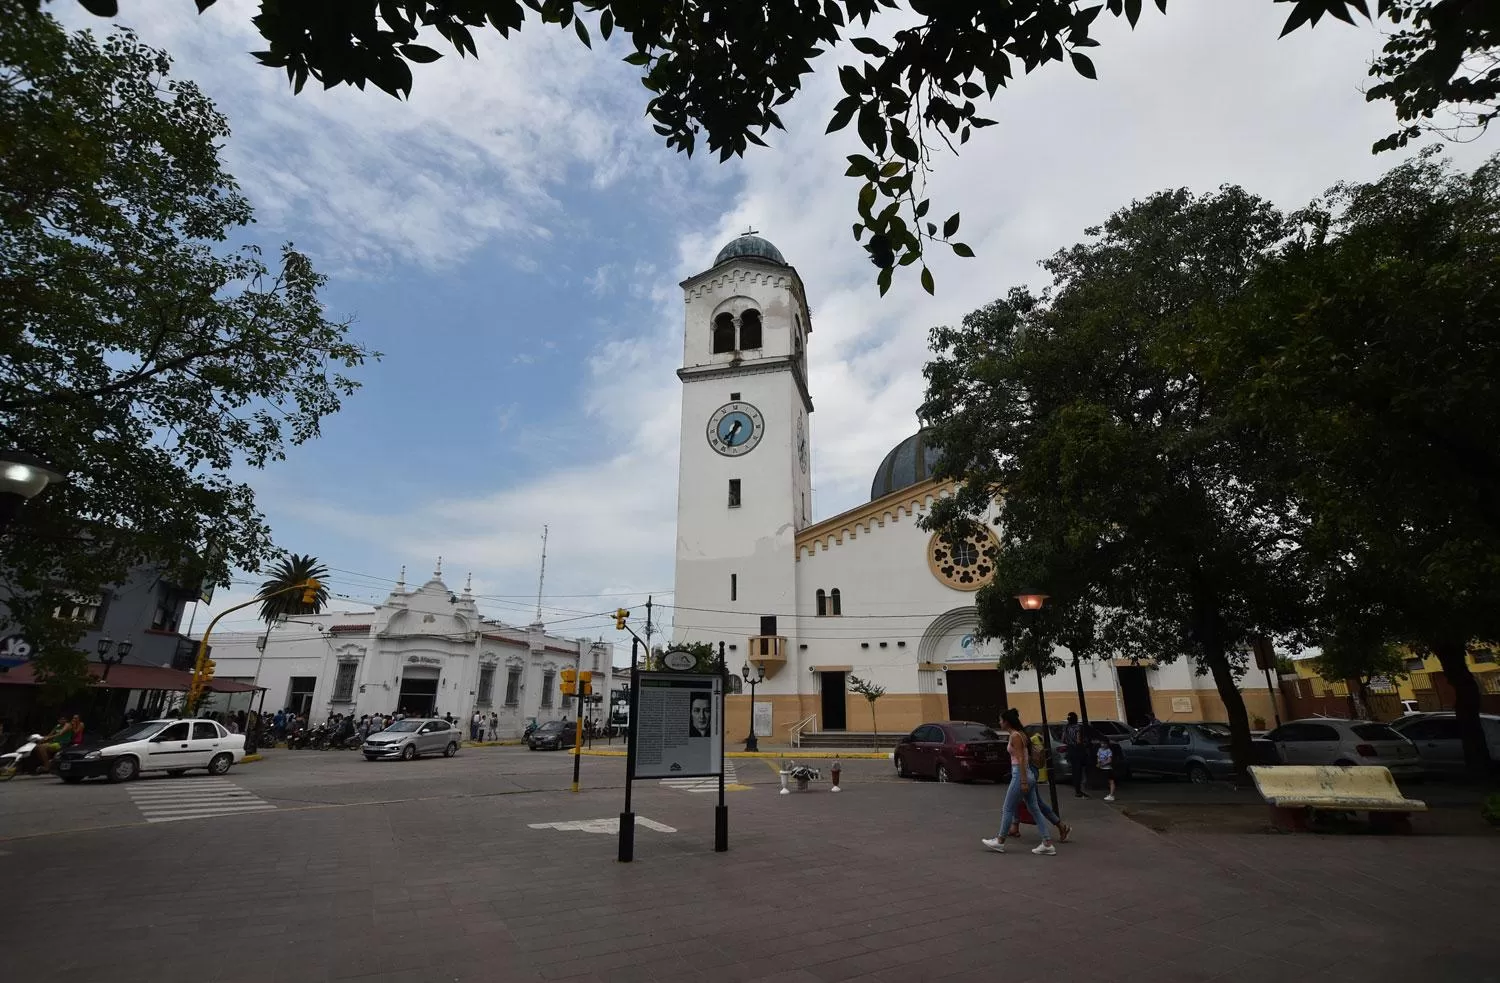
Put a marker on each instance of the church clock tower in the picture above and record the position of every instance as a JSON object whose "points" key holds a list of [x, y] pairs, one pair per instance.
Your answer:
{"points": [[745, 487]]}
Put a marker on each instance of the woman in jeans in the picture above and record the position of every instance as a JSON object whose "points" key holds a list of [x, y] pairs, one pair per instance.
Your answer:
{"points": [[1022, 787]]}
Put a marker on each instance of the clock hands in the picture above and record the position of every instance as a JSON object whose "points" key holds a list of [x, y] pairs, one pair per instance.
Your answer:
{"points": [[734, 430]]}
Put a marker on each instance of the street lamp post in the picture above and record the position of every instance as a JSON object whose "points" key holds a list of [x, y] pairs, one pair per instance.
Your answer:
{"points": [[121, 652], [752, 743], [22, 478], [1031, 602]]}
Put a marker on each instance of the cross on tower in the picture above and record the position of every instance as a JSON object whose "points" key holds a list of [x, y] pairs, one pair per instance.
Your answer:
{"points": [[749, 231]]}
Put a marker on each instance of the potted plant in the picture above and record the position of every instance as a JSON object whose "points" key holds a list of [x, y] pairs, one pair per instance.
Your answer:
{"points": [[801, 774]]}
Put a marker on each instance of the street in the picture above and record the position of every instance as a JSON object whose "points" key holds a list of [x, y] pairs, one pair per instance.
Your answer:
{"points": [[321, 866]]}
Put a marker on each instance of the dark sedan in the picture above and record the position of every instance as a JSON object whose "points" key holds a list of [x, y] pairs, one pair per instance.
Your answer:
{"points": [[554, 735], [956, 751]]}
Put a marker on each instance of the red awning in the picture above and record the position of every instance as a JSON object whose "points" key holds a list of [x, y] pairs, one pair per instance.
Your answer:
{"points": [[127, 676]]}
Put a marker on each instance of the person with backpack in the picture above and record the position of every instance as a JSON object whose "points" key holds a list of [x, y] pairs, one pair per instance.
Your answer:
{"points": [[1024, 762]]}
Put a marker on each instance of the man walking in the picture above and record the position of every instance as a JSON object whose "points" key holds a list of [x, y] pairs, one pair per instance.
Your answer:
{"points": [[1076, 739]]}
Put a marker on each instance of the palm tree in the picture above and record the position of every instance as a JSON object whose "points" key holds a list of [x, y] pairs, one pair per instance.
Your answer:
{"points": [[290, 571]]}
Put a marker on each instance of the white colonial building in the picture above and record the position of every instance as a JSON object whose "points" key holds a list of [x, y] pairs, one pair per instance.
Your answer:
{"points": [[423, 652], [864, 593]]}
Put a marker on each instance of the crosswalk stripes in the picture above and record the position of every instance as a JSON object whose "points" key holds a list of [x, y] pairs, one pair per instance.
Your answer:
{"points": [[731, 777], [167, 800]]}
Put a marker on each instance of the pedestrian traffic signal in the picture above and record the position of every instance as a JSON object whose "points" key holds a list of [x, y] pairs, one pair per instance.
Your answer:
{"points": [[310, 590], [569, 682], [585, 683], [620, 615]]}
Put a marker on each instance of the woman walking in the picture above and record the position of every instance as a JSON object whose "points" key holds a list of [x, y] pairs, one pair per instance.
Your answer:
{"points": [[1023, 775]]}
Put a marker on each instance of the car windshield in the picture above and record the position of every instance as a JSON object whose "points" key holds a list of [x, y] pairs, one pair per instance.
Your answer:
{"points": [[139, 732], [1375, 732], [973, 732], [1214, 732], [404, 726]]}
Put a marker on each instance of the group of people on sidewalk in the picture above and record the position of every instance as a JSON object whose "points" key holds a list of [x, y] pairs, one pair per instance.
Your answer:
{"points": [[1027, 758]]}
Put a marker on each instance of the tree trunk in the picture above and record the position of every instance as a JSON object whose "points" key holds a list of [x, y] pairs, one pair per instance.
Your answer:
{"points": [[1240, 747], [1452, 656], [874, 730]]}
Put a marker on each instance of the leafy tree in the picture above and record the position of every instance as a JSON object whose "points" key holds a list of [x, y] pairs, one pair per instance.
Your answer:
{"points": [[723, 67], [1360, 653], [1115, 471], [137, 352], [290, 571], [871, 692], [705, 654], [1365, 356]]}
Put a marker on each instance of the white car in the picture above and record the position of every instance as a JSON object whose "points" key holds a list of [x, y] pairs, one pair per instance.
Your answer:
{"points": [[172, 746], [1334, 741]]}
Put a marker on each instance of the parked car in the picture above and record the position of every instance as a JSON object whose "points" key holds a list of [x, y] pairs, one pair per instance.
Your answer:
{"points": [[1197, 750], [411, 738], [1117, 733], [954, 750], [172, 746], [1438, 743], [554, 735], [1333, 741]]}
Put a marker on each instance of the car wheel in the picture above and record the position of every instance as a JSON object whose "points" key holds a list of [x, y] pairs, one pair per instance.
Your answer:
{"points": [[124, 769], [219, 763], [942, 773], [176, 772], [72, 779], [901, 771], [1198, 775], [450, 750], [408, 752]]}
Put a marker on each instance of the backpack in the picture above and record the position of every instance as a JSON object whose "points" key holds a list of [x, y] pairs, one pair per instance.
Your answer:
{"points": [[1038, 755]]}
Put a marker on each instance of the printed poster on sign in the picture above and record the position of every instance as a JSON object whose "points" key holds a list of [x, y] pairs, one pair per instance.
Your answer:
{"points": [[679, 725]]}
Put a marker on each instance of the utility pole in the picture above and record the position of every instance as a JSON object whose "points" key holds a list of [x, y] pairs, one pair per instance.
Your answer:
{"points": [[542, 579]]}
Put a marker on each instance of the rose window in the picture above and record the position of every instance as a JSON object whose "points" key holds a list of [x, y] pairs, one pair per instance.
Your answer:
{"points": [[964, 562]]}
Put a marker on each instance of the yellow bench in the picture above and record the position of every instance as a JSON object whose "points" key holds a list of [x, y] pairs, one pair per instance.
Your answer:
{"points": [[1295, 791]]}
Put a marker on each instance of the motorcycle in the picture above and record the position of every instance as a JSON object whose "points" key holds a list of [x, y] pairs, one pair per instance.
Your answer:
{"points": [[23, 760]]}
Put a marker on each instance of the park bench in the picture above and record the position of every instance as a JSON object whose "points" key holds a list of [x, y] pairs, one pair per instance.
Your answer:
{"points": [[1295, 792]]}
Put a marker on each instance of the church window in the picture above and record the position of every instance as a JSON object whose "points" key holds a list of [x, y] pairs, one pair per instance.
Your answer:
{"points": [[547, 679], [724, 333], [734, 587], [835, 603], [734, 493], [512, 686], [343, 683], [822, 602], [750, 329]]}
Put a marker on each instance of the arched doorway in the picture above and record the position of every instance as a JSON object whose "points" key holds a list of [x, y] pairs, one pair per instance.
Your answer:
{"points": [[975, 688]]}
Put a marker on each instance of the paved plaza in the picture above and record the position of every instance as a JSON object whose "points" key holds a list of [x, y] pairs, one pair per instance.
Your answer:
{"points": [[320, 866]]}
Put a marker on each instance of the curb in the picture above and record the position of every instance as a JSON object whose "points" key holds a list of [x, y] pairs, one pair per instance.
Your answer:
{"points": [[870, 755], [515, 743]]}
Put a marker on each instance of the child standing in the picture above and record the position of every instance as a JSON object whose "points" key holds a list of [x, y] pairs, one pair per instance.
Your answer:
{"points": [[1104, 758]]}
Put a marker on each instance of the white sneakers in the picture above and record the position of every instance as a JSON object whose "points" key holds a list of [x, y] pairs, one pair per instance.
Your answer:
{"points": [[1109, 798], [996, 845]]}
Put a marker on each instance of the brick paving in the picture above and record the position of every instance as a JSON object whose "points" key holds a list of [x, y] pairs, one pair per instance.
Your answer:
{"points": [[884, 881]]}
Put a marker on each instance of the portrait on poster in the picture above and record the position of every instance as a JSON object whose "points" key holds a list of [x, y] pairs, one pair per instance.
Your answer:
{"points": [[679, 725]]}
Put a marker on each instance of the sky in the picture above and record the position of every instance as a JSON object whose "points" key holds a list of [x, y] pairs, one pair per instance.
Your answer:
{"points": [[513, 236]]}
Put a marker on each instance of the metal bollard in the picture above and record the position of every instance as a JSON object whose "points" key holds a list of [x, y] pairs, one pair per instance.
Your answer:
{"points": [[835, 771], [784, 789]]}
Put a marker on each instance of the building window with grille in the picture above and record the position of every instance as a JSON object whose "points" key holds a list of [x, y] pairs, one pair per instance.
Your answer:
{"points": [[486, 685], [512, 686], [81, 610], [343, 683], [548, 678]]}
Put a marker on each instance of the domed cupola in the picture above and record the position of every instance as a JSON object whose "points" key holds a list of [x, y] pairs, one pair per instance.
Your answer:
{"points": [[910, 462], [750, 244]]}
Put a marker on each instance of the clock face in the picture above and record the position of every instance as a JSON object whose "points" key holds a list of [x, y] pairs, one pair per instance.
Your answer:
{"points": [[735, 429], [802, 444]]}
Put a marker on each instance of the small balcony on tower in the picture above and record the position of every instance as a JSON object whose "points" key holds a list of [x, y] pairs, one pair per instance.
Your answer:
{"points": [[768, 651]]}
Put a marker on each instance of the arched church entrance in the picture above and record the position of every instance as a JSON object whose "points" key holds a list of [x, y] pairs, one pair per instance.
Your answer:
{"points": [[976, 689]]}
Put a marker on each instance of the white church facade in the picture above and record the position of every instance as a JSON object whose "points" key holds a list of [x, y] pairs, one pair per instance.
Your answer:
{"points": [[865, 593], [424, 652]]}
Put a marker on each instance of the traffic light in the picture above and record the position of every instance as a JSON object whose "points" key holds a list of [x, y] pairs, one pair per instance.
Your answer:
{"points": [[569, 682], [310, 590], [207, 672], [585, 683], [620, 615]]}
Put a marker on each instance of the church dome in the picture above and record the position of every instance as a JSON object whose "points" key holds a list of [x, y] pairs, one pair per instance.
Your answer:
{"points": [[750, 244], [909, 462]]}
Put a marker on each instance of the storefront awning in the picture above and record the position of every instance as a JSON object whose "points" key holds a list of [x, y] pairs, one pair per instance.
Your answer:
{"points": [[126, 676]]}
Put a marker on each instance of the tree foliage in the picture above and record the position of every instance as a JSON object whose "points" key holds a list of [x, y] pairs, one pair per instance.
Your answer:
{"points": [[1115, 472], [287, 572], [722, 69], [138, 353]]}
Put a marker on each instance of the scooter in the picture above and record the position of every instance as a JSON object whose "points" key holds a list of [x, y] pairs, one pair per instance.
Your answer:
{"points": [[23, 759]]}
